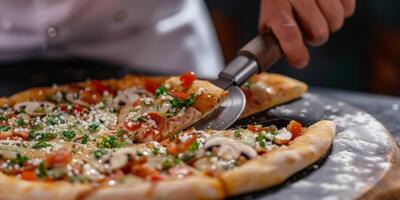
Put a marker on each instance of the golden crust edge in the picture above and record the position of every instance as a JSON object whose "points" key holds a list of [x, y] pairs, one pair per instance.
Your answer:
{"points": [[275, 167], [296, 90], [194, 187]]}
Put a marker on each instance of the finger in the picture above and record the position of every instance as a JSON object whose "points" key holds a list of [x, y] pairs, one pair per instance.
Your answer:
{"points": [[278, 16], [311, 21], [290, 38], [333, 12], [349, 7]]}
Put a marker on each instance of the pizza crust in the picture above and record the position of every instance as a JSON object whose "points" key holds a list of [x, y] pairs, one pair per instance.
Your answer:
{"points": [[278, 165], [277, 89], [194, 187], [13, 189]]}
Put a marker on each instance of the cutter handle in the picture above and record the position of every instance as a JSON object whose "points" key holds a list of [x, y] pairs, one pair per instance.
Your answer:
{"points": [[264, 49]]}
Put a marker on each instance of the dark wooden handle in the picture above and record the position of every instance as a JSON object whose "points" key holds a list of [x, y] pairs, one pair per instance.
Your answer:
{"points": [[264, 49]]}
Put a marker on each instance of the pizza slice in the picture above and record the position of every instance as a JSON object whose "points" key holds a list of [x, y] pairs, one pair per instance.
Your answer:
{"points": [[266, 90], [205, 164], [148, 108]]}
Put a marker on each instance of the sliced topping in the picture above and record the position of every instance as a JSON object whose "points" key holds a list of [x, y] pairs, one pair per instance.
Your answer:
{"points": [[34, 107], [58, 159], [101, 88], [295, 128], [230, 149], [151, 85], [187, 79], [283, 137]]}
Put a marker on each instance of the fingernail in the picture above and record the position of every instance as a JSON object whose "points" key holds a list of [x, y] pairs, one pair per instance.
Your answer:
{"points": [[302, 64]]}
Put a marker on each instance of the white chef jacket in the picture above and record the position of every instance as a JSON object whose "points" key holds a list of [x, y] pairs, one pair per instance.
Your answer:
{"points": [[165, 36]]}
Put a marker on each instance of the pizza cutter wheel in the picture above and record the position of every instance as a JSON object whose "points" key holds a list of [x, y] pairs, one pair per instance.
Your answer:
{"points": [[256, 56]]}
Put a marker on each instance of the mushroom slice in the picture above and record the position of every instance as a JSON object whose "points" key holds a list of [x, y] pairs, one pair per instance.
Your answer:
{"points": [[73, 97], [283, 137], [230, 149], [113, 161], [124, 97], [35, 107]]}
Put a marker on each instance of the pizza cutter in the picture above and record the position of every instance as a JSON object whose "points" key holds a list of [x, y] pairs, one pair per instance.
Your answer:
{"points": [[256, 56]]}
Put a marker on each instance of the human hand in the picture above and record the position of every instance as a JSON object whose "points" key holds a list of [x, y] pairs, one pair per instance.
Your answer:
{"points": [[296, 22]]}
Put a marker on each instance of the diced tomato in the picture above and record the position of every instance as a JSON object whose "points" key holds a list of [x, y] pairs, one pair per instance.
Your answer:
{"points": [[24, 134], [160, 121], [91, 96], [136, 103], [77, 109], [253, 128], [63, 107], [156, 177], [132, 126], [247, 93], [100, 87], [295, 128], [175, 148], [28, 175], [151, 85], [57, 159], [187, 79], [180, 95], [7, 134]]}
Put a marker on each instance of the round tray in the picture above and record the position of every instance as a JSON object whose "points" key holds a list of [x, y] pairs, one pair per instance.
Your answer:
{"points": [[360, 156]]}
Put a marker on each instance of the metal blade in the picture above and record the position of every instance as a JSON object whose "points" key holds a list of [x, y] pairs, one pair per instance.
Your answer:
{"points": [[229, 111]]}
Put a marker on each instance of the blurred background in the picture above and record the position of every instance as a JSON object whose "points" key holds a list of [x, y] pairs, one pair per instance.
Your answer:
{"points": [[363, 56]]}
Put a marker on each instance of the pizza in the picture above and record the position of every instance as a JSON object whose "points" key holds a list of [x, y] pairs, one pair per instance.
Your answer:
{"points": [[131, 139], [266, 90]]}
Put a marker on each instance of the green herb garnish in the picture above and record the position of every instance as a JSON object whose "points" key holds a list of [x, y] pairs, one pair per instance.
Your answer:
{"points": [[3, 118], [41, 170], [41, 144], [110, 142], [85, 139], [19, 160], [156, 150], [186, 103], [93, 127], [69, 134], [4, 128], [162, 90], [98, 153], [20, 122], [193, 147]]}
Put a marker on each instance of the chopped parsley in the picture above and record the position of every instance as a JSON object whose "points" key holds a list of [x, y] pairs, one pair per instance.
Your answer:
{"points": [[4, 128], [194, 146], [238, 132], [54, 120], [20, 122], [98, 153], [69, 134], [3, 118], [93, 127], [156, 150], [162, 90], [41, 170], [110, 142], [85, 139], [260, 139], [170, 162], [186, 103], [41, 144], [119, 132], [19, 160]]}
